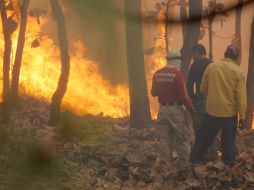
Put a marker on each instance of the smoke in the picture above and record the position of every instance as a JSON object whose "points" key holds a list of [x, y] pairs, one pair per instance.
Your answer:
{"points": [[42, 4], [99, 25]]}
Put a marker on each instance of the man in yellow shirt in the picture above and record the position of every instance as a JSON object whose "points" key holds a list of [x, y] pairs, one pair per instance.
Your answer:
{"points": [[223, 84]]}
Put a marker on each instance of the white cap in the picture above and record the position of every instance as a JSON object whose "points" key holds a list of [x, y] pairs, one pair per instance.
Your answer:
{"points": [[174, 59], [173, 54]]}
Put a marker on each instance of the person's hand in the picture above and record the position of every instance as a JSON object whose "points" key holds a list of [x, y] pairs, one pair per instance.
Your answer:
{"points": [[241, 124]]}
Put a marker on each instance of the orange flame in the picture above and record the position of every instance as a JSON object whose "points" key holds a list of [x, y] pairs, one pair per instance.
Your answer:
{"points": [[88, 91]]}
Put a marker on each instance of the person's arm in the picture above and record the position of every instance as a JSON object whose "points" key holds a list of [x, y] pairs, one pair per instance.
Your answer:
{"points": [[241, 96], [190, 82], [154, 87], [204, 81], [183, 96]]}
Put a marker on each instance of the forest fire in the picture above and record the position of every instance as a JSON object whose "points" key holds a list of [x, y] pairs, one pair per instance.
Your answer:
{"points": [[92, 96], [87, 91]]}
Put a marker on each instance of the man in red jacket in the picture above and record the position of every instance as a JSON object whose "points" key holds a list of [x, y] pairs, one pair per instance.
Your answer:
{"points": [[168, 86]]}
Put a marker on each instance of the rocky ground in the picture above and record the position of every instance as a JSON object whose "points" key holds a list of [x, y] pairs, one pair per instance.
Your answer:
{"points": [[97, 153]]}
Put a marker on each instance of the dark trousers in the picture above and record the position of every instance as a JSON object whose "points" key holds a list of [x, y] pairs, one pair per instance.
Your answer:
{"points": [[199, 105], [207, 132]]}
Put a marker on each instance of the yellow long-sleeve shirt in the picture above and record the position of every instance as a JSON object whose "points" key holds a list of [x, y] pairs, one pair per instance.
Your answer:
{"points": [[224, 86]]}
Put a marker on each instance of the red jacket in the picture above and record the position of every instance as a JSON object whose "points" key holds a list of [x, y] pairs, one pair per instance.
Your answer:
{"points": [[168, 85]]}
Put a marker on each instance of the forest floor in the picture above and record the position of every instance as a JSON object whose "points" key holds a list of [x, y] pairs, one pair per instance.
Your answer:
{"points": [[101, 153]]}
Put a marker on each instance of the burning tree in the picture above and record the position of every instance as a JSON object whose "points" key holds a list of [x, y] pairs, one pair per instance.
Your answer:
{"points": [[139, 103], [19, 52], [9, 26], [250, 79], [192, 33], [65, 66]]}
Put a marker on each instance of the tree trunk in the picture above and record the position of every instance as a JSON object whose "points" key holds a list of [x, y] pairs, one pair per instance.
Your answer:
{"points": [[250, 84], [139, 103], [19, 52], [210, 31], [65, 66], [6, 62], [192, 34], [183, 16], [166, 27], [238, 18]]}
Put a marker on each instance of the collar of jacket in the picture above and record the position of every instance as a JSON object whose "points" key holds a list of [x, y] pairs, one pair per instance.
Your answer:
{"points": [[229, 60]]}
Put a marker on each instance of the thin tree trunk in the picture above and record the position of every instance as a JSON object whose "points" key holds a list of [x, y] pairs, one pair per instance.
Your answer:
{"points": [[19, 52], [238, 18], [210, 31], [183, 16], [139, 103], [192, 34], [166, 27], [6, 62], [250, 84], [65, 66]]}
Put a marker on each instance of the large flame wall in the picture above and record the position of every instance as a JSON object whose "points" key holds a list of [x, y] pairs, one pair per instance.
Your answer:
{"points": [[87, 91]]}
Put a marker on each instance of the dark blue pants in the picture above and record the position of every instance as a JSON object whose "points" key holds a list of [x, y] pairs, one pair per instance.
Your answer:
{"points": [[206, 134]]}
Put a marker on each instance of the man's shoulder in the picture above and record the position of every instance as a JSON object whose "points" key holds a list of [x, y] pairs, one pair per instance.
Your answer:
{"points": [[175, 71], [161, 70], [206, 61], [230, 65], [239, 71], [212, 65], [169, 72], [201, 63]]}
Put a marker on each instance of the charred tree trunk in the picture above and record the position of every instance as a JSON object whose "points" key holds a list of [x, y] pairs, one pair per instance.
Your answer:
{"points": [[65, 66], [250, 84], [19, 52], [210, 29], [210, 32], [238, 18], [183, 16], [166, 27], [139, 103], [192, 34], [7, 31]]}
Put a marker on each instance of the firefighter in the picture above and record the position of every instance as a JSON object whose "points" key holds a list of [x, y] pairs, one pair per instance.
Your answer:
{"points": [[223, 84], [168, 86], [196, 72]]}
